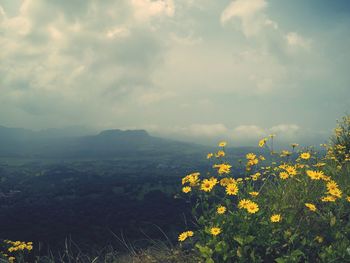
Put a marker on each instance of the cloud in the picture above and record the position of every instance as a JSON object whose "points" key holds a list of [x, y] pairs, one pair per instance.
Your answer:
{"points": [[55, 60], [195, 130], [255, 22], [295, 40], [241, 135], [146, 9], [192, 68], [208, 134], [250, 14], [155, 96], [207, 130], [248, 132], [242, 9]]}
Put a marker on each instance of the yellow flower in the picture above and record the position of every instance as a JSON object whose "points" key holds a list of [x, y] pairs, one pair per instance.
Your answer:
{"points": [[11, 259], [207, 185], [255, 176], [284, 175], [311, 207], [252, 207], [262, 142], [326, 178], [262, 158], [215, 231], [232, 189], [300, 166], [252, 162], [319, 164], [332, 185], [192, 179], [186, 189], [328, 198], [223, 168], [189, 233], [209, 155], [348, 198], [220, 154], [336, 192], [226, 181], [305, 156], [319, 239], [221, 210], [315, 175], [285, 153], [276, 218], [183, 236], [294, 145], [222, 144], [243, 203], [291, 170], [254, 193], [250, 156]]}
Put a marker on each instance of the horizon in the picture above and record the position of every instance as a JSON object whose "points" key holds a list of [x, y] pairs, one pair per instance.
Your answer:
{"points": [[81, 131]]}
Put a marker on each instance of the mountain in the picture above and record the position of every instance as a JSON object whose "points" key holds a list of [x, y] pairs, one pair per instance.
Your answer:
{"points": [[64, 144], [53, 143]]}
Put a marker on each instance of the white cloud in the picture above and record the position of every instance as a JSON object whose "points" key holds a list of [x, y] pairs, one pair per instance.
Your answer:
{"points": [[242, 9], [250, 14], [295, 40], [150, 97], [117, 32], [146, 9], [93, 59], [284, 132], [208, 130], [285, 128], [196, 130], [247, 132]]}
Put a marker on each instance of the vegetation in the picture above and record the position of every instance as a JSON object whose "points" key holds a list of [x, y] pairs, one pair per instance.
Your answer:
{"points": [[287, 206], [292, 209]]}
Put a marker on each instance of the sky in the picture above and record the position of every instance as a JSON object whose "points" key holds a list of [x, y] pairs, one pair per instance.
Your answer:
{"points": [[195, 70]]}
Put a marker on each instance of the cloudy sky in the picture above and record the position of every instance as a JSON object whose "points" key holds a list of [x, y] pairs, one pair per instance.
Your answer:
{"points": [[191, 69]]}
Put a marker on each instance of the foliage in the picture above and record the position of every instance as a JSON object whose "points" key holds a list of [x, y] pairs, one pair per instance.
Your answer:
{"points": [[294, 208], [15, 250], [339, 148]]}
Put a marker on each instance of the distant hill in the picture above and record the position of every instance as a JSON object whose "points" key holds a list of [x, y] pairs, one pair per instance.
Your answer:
{"points": [[59, 143]]}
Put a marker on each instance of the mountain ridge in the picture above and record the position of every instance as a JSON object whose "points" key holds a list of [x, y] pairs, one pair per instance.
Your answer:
{"points": [[24, 143]]}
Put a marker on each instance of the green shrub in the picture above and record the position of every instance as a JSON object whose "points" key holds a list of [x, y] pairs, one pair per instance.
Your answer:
{"points": [[292, 208]]}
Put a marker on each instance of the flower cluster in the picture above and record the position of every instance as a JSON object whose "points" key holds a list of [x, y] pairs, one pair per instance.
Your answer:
{"points": [[283, 206], [184, 235], [16, 247]]}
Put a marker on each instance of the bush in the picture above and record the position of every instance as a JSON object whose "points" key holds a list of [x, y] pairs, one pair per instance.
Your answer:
{"points": [[292, 208]]}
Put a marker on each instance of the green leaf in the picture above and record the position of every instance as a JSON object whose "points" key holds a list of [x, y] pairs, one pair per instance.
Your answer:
{"points": [[333, 221], [296, 254], [205, 251], [239, 239], [221, 247], [201, 220], [248, 239], [280, 260]]}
